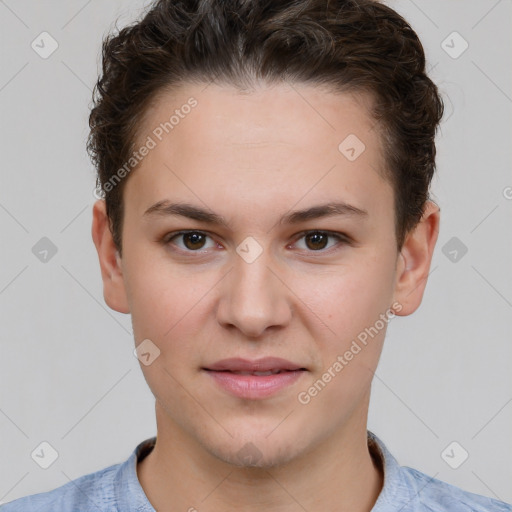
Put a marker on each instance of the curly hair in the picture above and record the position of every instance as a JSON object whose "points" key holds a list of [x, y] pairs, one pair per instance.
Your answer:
{"points": [[348, 45]]}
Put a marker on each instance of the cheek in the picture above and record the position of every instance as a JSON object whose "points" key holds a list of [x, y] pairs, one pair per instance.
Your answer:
{"points": [[348, 302], [170, 309], [348, 298], [173, 309], [358, 309], [162, 296]]}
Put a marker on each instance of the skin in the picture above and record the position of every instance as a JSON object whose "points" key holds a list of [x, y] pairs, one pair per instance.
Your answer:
{"points": [[253, 158]]}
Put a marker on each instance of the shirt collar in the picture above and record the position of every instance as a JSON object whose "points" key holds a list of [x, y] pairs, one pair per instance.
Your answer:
{"points": [[129, 495], [395, 490]]}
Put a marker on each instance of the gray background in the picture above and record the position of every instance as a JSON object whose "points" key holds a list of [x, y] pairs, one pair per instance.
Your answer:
{"points": [[68, 374]]}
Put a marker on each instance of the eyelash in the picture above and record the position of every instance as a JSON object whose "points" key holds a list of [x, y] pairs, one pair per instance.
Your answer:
{"points": [[341, 237]]}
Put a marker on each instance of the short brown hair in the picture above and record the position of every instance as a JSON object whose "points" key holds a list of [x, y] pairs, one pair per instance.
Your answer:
{"points": [[349, 45]]}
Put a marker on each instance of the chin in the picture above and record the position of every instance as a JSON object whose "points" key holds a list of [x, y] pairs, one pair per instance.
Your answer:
{"points": [[252, 455], [255, 449]]}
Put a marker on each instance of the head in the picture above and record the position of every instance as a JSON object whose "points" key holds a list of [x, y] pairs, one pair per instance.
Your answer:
{"points": [[296, 141]]}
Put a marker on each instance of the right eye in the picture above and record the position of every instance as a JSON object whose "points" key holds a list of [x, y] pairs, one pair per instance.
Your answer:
{"points": [[190, 241]]}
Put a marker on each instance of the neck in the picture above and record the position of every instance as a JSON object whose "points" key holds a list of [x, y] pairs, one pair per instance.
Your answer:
{"points": [[338, 474]]}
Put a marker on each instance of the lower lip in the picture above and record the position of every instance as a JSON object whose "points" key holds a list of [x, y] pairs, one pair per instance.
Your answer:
{"points": [[254, 386]]}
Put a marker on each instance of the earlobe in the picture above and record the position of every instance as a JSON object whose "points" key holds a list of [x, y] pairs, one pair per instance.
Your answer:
{"points": [[414, 260], [114, 290]]}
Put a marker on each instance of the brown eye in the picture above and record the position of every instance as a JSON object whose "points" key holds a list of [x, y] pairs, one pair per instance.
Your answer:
{"points": [[321, 241], [190, 241], [316, 240], [194, 241]]}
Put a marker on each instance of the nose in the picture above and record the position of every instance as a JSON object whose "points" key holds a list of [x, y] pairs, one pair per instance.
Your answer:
{"points": [[254, 299]]}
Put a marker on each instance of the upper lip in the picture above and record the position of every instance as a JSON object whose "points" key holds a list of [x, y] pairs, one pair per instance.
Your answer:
{"points": [[263, 364]]}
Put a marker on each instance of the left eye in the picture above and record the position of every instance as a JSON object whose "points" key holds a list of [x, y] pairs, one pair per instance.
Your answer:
{"points": [[319, 240]]}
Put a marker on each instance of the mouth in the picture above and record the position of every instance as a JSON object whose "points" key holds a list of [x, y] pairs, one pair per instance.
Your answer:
{"points": [[254, 379], [263, 365], [259, 374]]}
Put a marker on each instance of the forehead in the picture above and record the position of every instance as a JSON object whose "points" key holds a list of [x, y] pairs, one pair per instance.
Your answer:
{"points": [[301, 140], [308, 116]]}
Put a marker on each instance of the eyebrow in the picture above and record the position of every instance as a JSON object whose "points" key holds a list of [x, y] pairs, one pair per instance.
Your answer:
{"points": [[166, 208]]}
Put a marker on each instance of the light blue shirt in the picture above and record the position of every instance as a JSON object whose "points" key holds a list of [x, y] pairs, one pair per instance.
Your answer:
{"points": [[117, 489]]}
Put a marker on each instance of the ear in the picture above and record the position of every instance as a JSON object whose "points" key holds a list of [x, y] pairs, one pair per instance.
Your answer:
{"points": [[114, 291], [414, 261]]}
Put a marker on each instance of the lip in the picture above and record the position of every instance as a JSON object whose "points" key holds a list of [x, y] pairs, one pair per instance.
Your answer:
{"points": [[254, 386], [264, 364]]}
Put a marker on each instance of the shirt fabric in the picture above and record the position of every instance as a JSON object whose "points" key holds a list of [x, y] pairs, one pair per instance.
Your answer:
{"points": [[117, 489]]}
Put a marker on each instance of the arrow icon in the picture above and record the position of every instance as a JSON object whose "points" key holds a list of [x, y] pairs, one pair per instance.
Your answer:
{"points": [[44, 45], [44, 250], [249, 454], [351, 147], [249, 249], [454, 249], [454, 45], [452, 454], [146, 352], [44, 455]]}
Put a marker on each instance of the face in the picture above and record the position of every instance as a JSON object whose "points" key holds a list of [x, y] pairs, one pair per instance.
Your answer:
{"points": [[258, 238]]}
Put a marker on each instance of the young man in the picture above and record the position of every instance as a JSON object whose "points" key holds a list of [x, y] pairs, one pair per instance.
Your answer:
{"points": [[266, 168]]}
